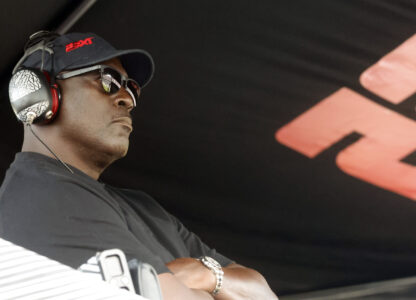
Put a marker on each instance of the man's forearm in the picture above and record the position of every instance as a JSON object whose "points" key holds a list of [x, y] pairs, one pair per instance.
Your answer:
{"points": [[174, 289], [240, 283], [244, 283], [203, 295]]}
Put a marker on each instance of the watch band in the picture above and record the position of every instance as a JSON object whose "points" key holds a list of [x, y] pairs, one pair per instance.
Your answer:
{"points": [[216, 268]]}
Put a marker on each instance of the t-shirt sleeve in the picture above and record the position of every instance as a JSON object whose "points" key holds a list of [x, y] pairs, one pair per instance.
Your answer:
{"points": [[196, 246], [170, 232]]}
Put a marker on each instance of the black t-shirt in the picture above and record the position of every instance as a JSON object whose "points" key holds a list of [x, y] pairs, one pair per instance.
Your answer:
{"points": [[69, 217]]}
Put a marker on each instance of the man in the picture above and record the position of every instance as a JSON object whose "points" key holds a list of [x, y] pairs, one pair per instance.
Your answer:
{"points": [[52, 201]]}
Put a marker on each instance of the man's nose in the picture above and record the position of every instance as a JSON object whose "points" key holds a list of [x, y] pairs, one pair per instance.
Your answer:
{"points": [[124, 99]]}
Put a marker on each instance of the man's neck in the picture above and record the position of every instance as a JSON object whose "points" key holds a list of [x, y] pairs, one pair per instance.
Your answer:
{"points": [[86, 162]]}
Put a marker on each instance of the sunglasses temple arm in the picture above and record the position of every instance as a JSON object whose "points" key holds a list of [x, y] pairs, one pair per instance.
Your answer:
{"points": [[78, 72]]}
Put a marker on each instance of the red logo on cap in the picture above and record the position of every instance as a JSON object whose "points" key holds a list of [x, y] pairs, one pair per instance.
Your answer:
{"points": [[79, 44]]}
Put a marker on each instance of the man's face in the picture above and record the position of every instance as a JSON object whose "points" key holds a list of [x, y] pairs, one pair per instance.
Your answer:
{"points": [[94, 122]]}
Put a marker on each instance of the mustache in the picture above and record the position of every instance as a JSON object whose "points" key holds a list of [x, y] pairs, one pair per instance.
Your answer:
{"points": [[124, 119], [123, 116]]}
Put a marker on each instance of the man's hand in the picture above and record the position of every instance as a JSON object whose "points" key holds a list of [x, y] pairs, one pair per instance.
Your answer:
{"points": [[173, 289], [239, 282], [193, 274]]}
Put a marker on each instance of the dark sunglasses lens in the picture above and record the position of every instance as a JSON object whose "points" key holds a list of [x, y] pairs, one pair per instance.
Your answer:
{"points": [[110, 80]]}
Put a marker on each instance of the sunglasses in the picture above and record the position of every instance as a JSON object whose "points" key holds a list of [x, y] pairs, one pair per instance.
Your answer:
{"points": [[111, 80]]}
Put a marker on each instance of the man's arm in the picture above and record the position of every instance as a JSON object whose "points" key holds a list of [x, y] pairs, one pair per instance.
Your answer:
{"points": [[173, 289], [239, 282], [244, 283]]}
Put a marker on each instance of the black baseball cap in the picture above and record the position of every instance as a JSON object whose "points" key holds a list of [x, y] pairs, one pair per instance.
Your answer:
{"points": [[76, 50]]}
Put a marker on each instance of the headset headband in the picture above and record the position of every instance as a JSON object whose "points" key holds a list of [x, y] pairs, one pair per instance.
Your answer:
{"points": [[38, 41]]}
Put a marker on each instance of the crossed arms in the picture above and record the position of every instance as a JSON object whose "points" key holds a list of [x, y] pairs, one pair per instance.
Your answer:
{"points": [[191, 280]]}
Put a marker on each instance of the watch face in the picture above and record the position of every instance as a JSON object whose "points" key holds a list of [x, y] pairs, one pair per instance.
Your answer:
{"points": [[213, 262]]}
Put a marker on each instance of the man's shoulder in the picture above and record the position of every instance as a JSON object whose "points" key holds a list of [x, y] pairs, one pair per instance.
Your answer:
{"points": [[32, 176], [27, 180], [46, 193]]}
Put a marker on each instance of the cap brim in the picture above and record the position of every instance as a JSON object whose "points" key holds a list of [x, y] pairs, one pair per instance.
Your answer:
{"points": [[137, 62]]}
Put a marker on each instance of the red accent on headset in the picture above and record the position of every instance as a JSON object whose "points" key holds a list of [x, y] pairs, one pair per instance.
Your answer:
{"points": [[81, 43], [55, 99], [54, 94], [48, 78]]}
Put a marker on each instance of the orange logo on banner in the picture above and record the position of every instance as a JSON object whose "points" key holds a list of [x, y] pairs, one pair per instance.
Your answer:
{"points": [[388, 137]]}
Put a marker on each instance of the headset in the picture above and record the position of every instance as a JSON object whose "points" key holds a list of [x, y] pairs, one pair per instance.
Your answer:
{"points": [[34, 95]]}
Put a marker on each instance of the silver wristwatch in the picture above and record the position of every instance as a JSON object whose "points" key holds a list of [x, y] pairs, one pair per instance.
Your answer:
{"points": [[216, 268]]}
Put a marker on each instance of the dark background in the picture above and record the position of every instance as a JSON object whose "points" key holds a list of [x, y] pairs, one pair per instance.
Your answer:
{"points": [[228, 75]]}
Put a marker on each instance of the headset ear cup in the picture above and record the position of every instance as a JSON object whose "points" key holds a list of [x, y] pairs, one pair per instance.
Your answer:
{"points": [[31, 96]]}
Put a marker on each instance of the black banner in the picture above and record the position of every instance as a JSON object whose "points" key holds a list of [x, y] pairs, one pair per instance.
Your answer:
{"points": [[282, 132]]}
